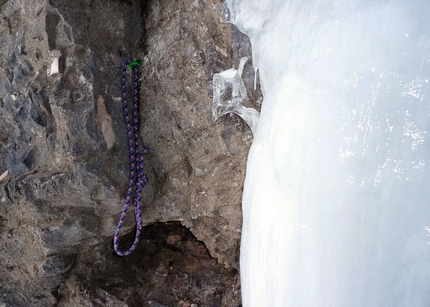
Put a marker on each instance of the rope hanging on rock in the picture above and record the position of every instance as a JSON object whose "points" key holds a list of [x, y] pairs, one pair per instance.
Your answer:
{"points": [[137, 178]]}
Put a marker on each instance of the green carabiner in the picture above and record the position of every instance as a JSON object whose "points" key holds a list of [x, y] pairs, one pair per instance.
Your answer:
{"points": [[134, 64]]}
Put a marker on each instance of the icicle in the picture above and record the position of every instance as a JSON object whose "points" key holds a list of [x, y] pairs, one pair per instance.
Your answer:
{"points": [[228, 94]]}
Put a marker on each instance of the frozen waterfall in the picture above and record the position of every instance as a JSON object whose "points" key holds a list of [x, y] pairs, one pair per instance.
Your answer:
{"points": [[337, 194]]}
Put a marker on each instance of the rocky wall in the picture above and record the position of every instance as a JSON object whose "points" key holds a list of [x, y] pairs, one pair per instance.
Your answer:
{"points": [[63, 142]]}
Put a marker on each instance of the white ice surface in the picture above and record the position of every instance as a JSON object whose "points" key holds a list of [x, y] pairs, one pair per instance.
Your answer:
{"points": [[337, 194]]}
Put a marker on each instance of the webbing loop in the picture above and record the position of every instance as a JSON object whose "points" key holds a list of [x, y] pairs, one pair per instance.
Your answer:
{"points": [[137, 179]]}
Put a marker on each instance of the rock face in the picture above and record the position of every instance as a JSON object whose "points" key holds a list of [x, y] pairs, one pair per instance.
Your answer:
{"points": [[63, 141]]}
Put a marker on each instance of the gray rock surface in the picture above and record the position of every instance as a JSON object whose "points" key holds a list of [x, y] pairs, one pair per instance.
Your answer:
{"points": [[63, 140]]}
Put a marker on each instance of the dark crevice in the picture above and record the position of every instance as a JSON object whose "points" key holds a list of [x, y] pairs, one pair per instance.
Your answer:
{"points": [[52, 20], [169, 267]]}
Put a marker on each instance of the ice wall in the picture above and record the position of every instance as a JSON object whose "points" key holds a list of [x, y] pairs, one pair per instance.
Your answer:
{"points": [[337, 195]]}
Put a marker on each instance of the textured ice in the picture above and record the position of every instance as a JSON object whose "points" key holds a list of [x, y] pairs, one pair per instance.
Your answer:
{"points": [[336, 201], [229, 92]]}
